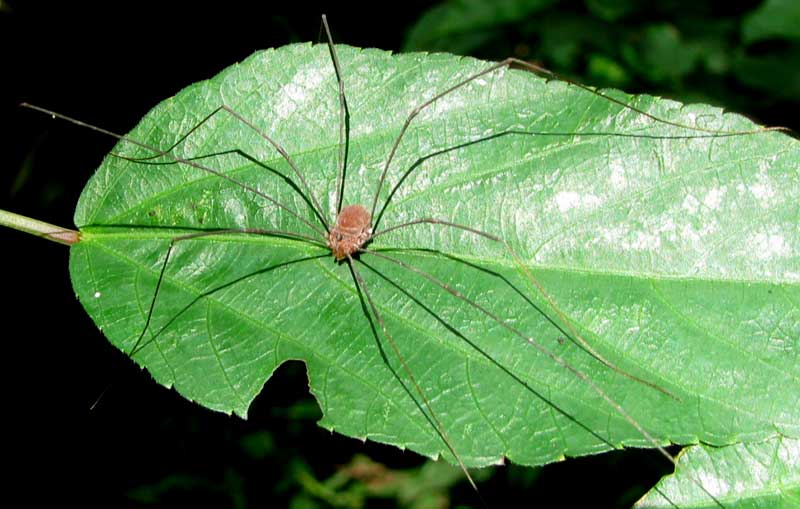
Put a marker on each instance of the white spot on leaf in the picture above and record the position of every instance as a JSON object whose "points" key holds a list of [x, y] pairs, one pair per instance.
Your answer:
{"points": [[762, 191], [767, 246], [296, 91], [618, 180], [713, 198], [234, 209], [567, 200], [690, 204]]}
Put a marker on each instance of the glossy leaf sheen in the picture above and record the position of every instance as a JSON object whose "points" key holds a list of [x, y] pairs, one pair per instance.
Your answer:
{"points": [[677, 259]]}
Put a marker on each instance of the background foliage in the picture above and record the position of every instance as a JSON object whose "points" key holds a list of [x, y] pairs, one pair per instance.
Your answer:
{"points": [[144, 444]]}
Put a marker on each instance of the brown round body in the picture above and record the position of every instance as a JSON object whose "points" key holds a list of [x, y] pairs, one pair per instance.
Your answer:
{"points": [[352, 230]]}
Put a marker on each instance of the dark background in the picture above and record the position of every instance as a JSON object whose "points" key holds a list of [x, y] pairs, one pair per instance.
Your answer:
{"points": [[109, 63]]}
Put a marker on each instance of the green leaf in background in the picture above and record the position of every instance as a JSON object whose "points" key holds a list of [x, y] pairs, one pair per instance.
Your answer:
{"points": [[462, 26], [759, 474], [675, 255], [770, 74], [774, 19], [661, 55], [612, 10]]}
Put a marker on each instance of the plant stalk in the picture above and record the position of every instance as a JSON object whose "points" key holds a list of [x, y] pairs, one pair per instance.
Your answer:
{"points": [[39, 228]]}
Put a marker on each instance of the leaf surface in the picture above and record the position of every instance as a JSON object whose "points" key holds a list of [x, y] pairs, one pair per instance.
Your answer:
{"points": [[749, 475], [676, 255]]}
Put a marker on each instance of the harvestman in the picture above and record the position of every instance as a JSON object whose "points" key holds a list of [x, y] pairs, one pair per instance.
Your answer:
{"points": [[355, 227]]}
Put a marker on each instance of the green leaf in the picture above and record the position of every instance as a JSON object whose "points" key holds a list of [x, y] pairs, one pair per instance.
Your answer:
{"points": [[773, 19], [612, 10], [662, 55], [676, 255], [752, 475], [464, 25], [769, 73]]}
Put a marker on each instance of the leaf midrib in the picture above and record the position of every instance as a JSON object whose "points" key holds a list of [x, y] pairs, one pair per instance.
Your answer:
{"points": [[96, 233]]}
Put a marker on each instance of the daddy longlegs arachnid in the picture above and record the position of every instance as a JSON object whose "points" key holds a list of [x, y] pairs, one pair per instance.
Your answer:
{"points": [[448, 297]]}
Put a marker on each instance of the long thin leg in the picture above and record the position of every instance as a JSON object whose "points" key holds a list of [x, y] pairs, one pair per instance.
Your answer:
{"points": [[363, 285], [544, 350], [508, 62], [250, 231], [416, 111], [181, 160], [516, 132], [238, 116], [288, 159], [459, 334], [291, 183], [344, 120], [551, 303]]}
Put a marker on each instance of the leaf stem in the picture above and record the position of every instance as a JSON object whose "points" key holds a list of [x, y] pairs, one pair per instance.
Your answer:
{"points": [[39, 228]]}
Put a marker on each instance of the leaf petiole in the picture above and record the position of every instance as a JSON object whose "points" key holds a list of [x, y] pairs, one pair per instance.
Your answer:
{"points": [[39, 228]]}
